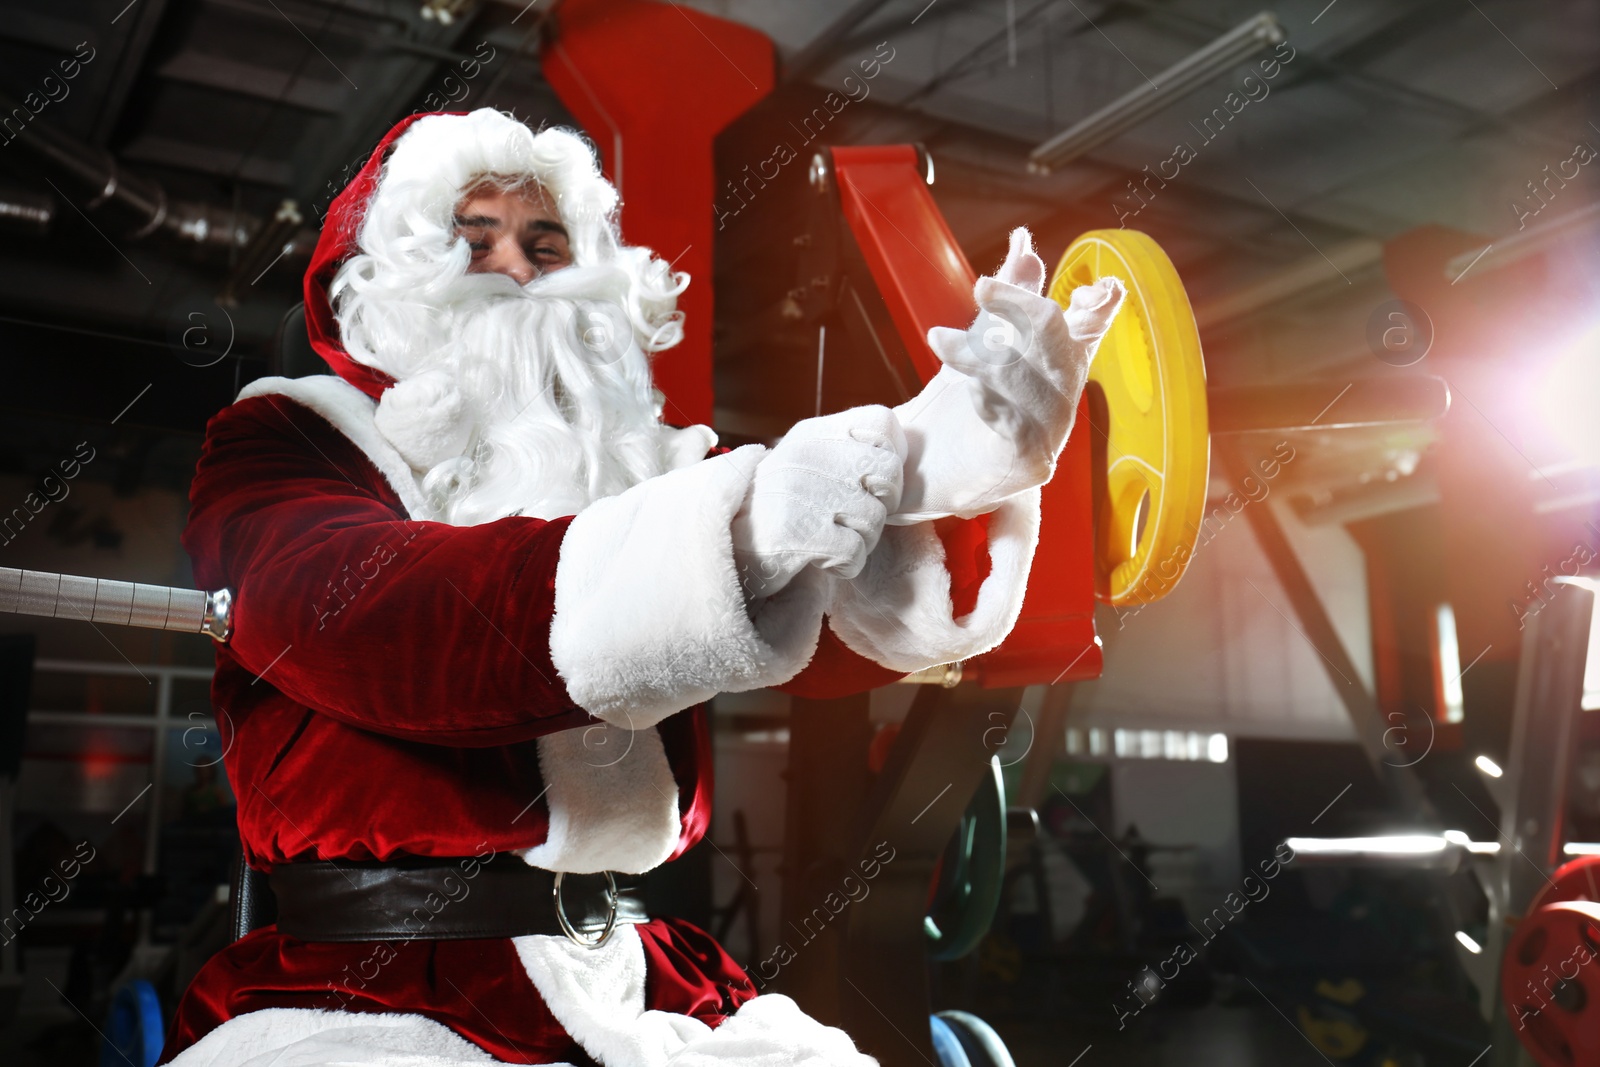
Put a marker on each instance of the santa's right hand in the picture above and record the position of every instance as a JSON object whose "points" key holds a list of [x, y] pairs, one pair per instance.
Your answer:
{"points": [[819, 499], [994, 419]]}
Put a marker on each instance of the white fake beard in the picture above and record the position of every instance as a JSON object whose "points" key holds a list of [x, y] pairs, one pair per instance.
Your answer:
{"points": [[556, 405]]}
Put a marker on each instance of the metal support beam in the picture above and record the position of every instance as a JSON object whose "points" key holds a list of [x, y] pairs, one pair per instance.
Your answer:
{"points": [[1544, 730], [828, 780], [1371, 726], [1049, 744], [865, 967], [1543, 739], [1514, 248], [138, 39], [1323, 405], [291, 88], [916, 803]]}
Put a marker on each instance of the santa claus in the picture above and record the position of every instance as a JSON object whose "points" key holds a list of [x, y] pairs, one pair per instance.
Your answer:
{"points": [[484, 592]]}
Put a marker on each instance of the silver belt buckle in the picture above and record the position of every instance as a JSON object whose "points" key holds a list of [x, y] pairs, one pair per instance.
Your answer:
{"points": [[566, 924]]}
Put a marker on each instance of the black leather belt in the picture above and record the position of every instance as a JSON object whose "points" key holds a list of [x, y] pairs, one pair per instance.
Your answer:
{"points": [[451, 900]]}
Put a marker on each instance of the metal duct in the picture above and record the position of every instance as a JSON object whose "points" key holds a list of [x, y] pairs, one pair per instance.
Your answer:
{"points": [[141, 203], [137, 206]]}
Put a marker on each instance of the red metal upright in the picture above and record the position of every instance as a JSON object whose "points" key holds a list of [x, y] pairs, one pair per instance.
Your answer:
{"points": [[926, 281], [653, 84]]}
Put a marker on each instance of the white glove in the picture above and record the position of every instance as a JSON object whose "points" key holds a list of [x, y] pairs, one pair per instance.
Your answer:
{"points": [[819, 498], [993, 420]]}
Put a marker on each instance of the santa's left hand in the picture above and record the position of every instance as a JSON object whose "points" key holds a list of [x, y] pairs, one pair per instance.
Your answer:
{"points": [[819, 498], [993, 420]]}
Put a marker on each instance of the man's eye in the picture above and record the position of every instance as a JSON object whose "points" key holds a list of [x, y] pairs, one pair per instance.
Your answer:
{"points": [[552, 253]]}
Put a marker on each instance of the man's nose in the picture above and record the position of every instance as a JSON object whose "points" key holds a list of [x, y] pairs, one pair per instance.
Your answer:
{"points": [[516, 265]]}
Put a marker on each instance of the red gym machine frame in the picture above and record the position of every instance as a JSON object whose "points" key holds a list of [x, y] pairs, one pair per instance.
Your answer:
{"points": [[608, 60]]}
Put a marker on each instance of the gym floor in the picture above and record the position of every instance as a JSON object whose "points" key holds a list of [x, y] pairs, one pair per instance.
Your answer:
{"points": [[1232, 1036]]}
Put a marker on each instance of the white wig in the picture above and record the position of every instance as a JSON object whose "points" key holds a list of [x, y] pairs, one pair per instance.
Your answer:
{"points": [[532, 399]]}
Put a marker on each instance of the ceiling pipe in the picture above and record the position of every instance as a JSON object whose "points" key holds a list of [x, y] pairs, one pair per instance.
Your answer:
{"points": [[1158, 93], [137, 206], [141, 202], [23, 210], [1505, 251], [1312, 405]]}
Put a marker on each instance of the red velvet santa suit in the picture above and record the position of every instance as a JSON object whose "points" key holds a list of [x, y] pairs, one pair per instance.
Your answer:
{"points": [[390, 677]]}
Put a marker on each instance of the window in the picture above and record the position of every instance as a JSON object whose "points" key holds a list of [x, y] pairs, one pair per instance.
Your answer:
{"points": [[1189, 745], [1591, 666], [1446, 665]]}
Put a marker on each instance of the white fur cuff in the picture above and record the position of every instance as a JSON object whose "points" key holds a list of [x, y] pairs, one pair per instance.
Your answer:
{"points": [[306, 1037], [650, 617], [612, 798], [897, 612], [598, 996]]}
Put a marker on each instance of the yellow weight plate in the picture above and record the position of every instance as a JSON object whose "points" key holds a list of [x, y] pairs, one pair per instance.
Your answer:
{"points": [[1332, 1036], [1157, 447]]}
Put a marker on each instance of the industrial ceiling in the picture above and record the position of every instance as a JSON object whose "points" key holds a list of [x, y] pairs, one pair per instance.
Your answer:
{"points": [[149, 194]]}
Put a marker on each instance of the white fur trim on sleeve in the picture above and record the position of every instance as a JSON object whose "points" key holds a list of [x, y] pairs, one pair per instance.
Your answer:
{"points": [[897, 611], [613, 801], [650, 617]]}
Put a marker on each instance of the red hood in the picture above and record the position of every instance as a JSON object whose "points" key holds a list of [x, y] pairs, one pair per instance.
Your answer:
{"points": [[337, 244]]}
